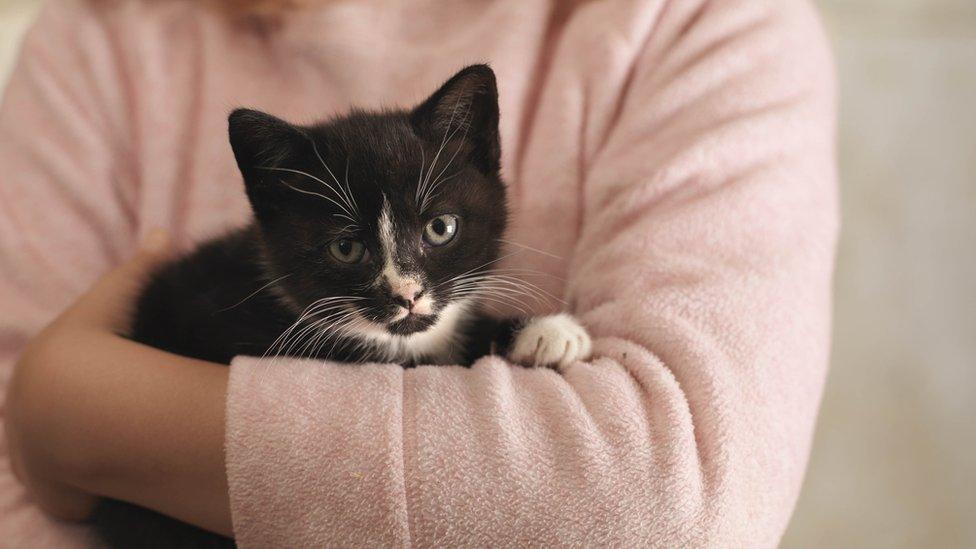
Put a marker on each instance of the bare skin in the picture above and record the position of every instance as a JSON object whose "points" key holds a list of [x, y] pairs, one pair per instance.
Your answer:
{"points": [[91, 414]]}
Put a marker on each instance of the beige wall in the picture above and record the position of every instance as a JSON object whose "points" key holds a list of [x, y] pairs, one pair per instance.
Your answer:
{"points": [[893, 461], [15, 15]]}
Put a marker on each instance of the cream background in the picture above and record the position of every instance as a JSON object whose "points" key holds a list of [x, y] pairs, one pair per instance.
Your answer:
{"points": [[893, 462]]}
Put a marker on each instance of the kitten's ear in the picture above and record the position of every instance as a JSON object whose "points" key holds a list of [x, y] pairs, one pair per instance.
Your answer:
{"points": [[259, 139], [263, 143], [467, 105]]}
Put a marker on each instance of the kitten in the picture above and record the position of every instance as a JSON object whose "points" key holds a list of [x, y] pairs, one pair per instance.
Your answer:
{"points": [[374, 239]]}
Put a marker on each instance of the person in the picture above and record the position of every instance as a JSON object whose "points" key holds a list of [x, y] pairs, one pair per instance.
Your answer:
{"points": [[674, 159]]}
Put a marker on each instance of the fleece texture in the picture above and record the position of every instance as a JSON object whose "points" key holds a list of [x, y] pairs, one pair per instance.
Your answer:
{"points": [[673, 159]]}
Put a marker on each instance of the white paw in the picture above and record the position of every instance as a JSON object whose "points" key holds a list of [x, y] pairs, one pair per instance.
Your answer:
{"points": [[551, 341]]}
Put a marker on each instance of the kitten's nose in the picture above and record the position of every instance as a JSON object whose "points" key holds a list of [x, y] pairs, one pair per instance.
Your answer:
{"points": [[406, 300], [405, 291], [406, 295]]}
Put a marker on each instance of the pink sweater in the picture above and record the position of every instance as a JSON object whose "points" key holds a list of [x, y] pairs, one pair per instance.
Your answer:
{"points": [[675, 158]]}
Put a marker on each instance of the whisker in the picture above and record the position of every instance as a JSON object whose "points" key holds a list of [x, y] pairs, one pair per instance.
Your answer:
{"points": [[301, 317], [423, 161], [254, 293], [529, 248], [311, 331], [315, 148], [324, 330], [316, 307], [448, 134], [510, 280], [329, 186], [433, 192], [447, 131], [522, 272], [496, 260], [343, 215], [321, 317], [507, 290], [339, 330], [437, 181], [511, 303], [527, 291], [352, 197], [290, 336]]}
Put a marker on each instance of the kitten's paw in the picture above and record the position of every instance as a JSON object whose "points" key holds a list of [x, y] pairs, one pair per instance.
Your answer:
{"points": [[551, 341]]}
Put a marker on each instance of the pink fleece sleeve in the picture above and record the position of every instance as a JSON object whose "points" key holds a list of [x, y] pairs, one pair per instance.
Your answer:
{"points": [[63, 214], [703, 271]]}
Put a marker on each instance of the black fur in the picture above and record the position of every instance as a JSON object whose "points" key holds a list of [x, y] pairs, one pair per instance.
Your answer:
{"points": [[206, 305]]}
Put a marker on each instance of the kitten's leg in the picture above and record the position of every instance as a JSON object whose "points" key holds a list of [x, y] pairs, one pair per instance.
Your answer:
{"points": [[552, 341], [490, 336], [126, 526]]}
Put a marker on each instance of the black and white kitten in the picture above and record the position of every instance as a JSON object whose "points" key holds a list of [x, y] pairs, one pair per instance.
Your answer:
{"points": [[375, 238]]}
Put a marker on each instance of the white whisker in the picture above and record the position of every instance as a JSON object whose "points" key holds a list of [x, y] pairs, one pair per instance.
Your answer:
{"points": [[429, 193], [529, 248], [448, 134], [420, 176], [334, 178], [519, 287], [254, 293], [342, 215], [311, 331], [315, 308], [352, 197], [496, 260], [325, 329]]}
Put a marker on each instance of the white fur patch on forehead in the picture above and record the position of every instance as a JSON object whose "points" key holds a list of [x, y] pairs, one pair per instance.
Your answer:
{"points": [[400, 284], [387, 234]]}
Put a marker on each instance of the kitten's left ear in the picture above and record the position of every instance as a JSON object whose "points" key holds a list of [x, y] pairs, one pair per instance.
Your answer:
{"points": [[466, 105]]}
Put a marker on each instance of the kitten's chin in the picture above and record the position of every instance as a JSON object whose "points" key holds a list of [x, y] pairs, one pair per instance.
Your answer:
{"points": [[411, 324]]}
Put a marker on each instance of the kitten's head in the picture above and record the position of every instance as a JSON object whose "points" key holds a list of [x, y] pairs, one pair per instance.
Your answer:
{"points": [[379, 220]]}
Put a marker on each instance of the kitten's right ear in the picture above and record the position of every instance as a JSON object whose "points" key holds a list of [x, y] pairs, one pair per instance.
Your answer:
{"points": [[262, 140], [262, 144]]}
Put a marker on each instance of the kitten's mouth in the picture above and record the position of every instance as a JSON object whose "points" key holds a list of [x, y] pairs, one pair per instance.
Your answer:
{"points": [[411, 324], [416, 316]]}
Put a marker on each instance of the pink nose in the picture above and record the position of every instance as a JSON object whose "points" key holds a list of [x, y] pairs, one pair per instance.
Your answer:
{"points": [[404, 302], [405, 292]]}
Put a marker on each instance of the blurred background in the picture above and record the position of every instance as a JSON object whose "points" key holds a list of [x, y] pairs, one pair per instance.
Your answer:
{"points": [[893, 463]]}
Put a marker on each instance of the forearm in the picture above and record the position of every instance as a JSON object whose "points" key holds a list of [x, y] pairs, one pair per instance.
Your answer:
{"points": [[118, 419]]}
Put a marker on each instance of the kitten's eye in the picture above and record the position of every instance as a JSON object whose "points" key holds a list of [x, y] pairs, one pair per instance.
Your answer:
{"points": [[348, 250], [441, 230]]}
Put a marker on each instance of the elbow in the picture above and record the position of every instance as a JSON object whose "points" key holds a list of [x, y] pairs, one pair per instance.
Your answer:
{"points": [[44, 411]]}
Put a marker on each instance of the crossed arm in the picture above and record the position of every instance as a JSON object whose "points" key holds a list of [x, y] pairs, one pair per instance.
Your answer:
{"points": [[90, 413]]}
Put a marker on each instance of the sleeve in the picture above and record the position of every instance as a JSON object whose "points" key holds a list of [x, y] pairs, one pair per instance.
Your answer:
{"points": [[703, 270], [63, 213]]}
